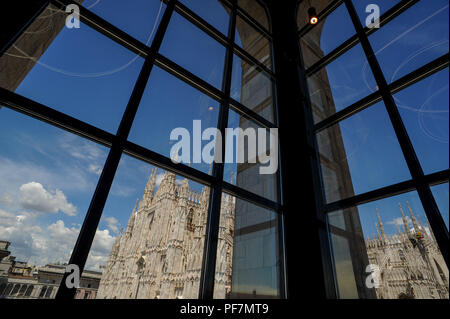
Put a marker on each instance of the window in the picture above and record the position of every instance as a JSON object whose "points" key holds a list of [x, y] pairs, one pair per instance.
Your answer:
{"points": [[378, 100], [130, 75], [247, 264], [48, 292], [42, 292]]}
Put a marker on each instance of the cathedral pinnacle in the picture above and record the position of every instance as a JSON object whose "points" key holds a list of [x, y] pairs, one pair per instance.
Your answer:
{"points": [[405, 221], [380, 224], [413, 218], [151, 183]]}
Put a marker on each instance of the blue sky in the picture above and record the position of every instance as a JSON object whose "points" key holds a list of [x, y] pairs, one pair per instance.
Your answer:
{"points": [[47, 176], [374, 156]]}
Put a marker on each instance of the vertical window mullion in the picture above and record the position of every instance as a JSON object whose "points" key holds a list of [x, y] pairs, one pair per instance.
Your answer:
{"points": [[431, 209], [208, 271]]}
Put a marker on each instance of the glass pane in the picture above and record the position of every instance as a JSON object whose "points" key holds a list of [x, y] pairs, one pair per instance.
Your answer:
{"points": [[386, 250], [247, 264], [194, 50], [345, 276], [154, 250], [329, 33], [214, 12], [252, 88], [256, 11], [47, 179], [424, 110], [162, 113], [362, 5], [360, 154], [138, 18], [302, 13], [441, 197], [76, 71], [416, 37], [341, 83], [247, 163], [253, 42]]}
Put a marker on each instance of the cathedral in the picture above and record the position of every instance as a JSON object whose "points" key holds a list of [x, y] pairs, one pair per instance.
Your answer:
{"points": [[160, 253], [410, 263]]}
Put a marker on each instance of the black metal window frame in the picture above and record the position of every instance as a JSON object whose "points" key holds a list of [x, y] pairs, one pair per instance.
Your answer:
{"points": [[118, 143], [419, 182]]}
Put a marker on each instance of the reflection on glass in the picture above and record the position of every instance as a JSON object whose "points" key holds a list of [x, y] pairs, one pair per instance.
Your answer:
{"points": [[441, 196], [360, 154], [138, 18], [244, 165], [214, 12], [340, 84], [327, 35], [153, 247], [47, 178], [252, 88], [254, 42], [424, 110], [247, 264], [161, 112], [386, 250], [256, 11], [416, 37], [76, 71], [194, 50]]}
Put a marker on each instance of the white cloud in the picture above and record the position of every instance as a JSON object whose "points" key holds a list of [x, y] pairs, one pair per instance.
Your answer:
{"points": [[42, 244], [34, 196], [113, 224], [101, 247], [58, 174], [399, 221], [81, 149], [96, 169], [7, 219], [6, 199]]}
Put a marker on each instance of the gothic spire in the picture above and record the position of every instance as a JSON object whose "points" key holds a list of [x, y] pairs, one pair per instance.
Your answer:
{"points": [[378, 232], [380, 224], [405, 221], [132, 218], [413, 218], [151, 183]]}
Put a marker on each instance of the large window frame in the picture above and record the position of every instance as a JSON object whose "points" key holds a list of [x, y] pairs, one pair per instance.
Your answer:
{"points": [[288, 88], [118, 143], [419, 181]]}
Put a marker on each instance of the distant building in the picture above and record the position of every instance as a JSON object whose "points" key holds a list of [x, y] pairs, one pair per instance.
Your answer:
{"points": [[410, 263], [160, 253], [20, 280]]}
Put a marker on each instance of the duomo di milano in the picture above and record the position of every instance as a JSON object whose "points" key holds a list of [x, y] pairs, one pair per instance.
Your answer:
{"points": [[410, 263], [160, 253]]}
